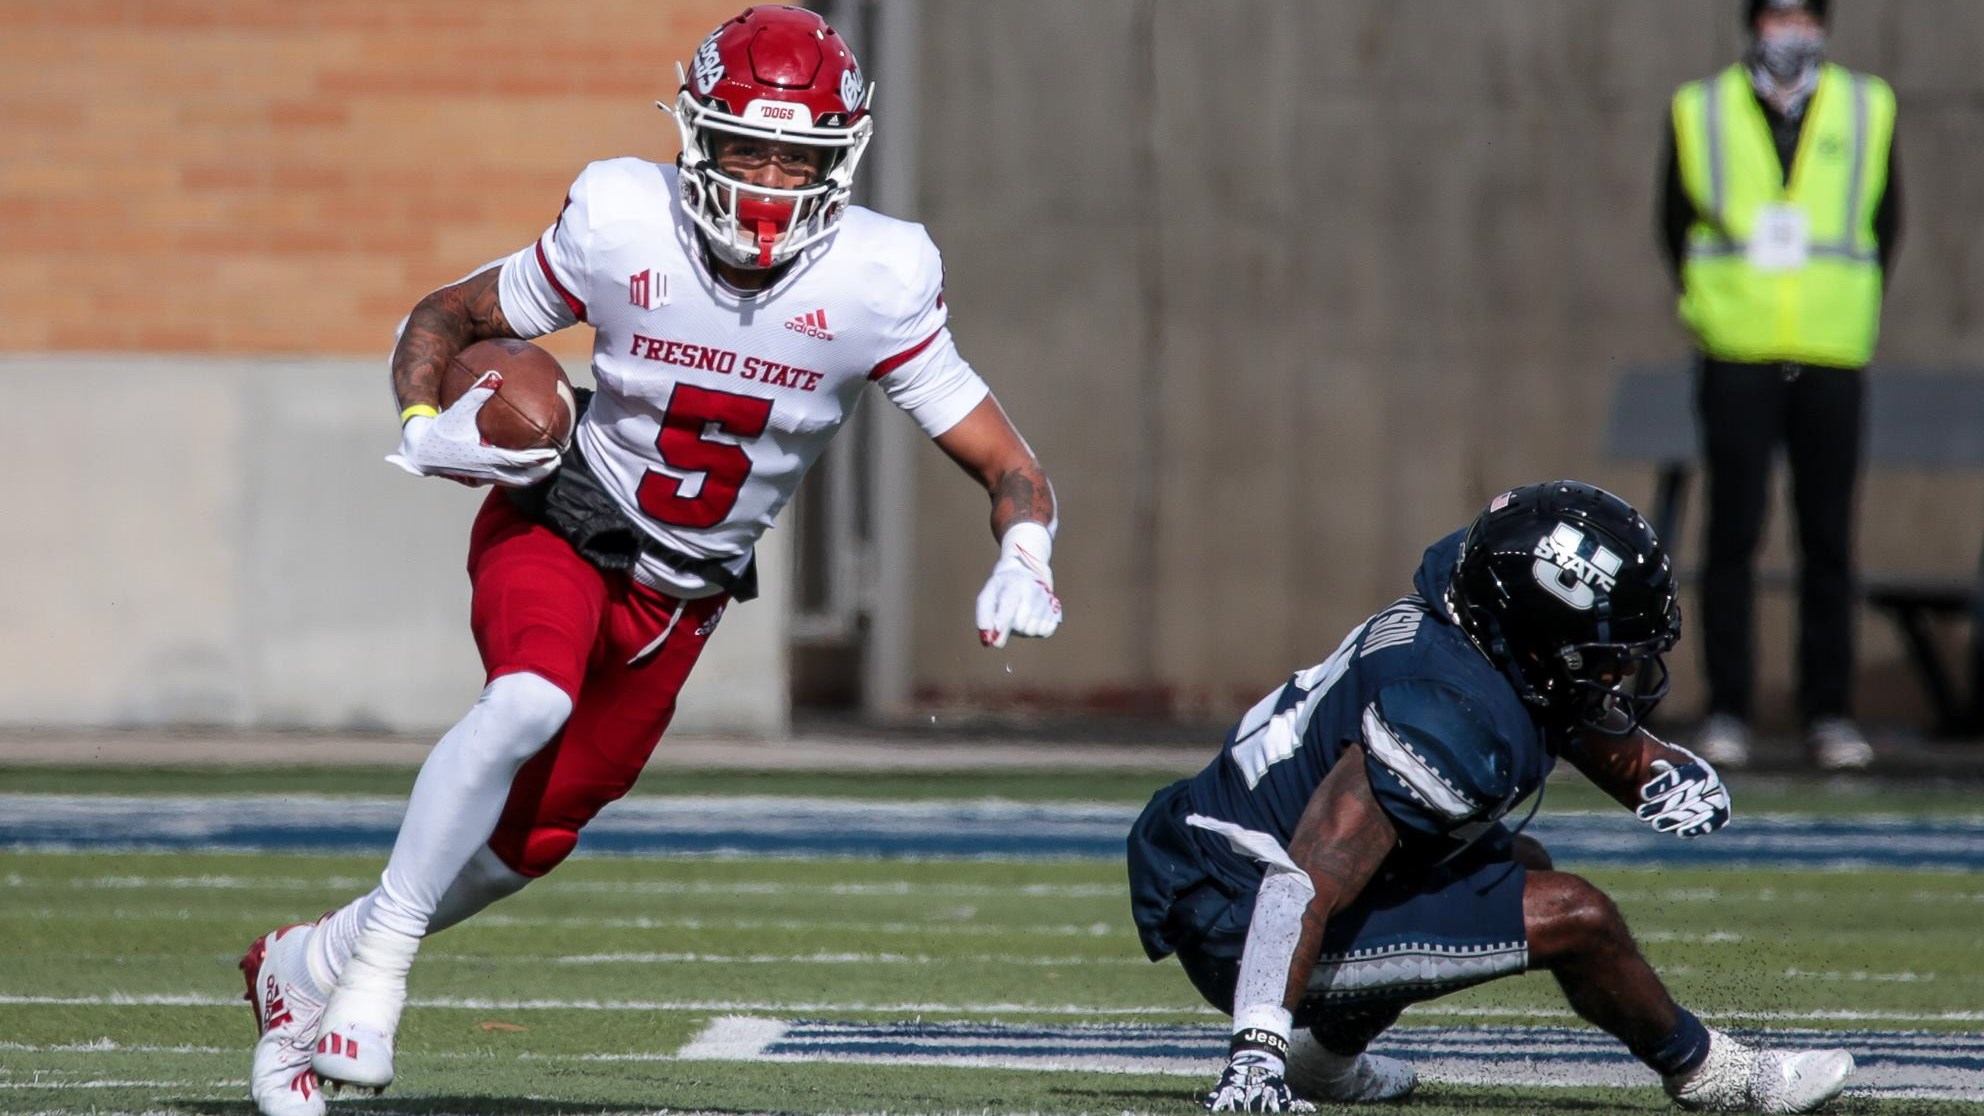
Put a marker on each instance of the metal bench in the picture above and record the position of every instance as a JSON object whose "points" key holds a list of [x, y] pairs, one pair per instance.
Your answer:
{"points": [[1915, 420]]}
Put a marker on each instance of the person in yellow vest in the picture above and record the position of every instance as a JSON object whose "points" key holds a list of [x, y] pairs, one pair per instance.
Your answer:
{"points": [[1780, 214]]}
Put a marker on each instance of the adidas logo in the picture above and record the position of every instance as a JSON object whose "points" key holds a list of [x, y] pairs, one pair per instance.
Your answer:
{"points": [[274, 1011], [813, 324]]}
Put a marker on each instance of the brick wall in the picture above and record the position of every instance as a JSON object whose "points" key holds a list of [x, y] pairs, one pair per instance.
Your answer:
{"points": [[248, 176]]}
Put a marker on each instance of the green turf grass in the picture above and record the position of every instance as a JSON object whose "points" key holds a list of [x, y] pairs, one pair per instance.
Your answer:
{"points": [[632, 957]]}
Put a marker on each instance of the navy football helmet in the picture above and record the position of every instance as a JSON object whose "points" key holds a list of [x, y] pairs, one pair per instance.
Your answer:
{"points": [[1566, 588]]}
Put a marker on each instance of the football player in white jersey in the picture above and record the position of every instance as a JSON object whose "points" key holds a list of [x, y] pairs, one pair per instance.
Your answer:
{"points": [[740, 306]]}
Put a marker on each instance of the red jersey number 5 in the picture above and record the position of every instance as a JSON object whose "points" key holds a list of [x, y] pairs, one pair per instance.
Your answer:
{"points": [[693, 415]]}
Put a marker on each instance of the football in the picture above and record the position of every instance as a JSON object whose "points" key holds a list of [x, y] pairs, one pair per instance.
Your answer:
{"points": [[533, 407]]}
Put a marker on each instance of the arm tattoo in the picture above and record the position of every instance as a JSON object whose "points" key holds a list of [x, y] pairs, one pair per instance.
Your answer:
{"points": [[441, 325], [1340, 859], [1021, 492], [1621, 765], [1346, 862]]}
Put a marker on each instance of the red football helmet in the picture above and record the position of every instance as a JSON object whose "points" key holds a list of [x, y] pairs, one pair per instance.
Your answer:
{"points": [[776, 73]]}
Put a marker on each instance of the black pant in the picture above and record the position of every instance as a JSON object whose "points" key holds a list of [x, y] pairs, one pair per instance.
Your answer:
{"points": [[1746, 411]]}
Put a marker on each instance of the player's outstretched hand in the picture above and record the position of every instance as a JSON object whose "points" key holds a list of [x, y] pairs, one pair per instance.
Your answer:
{"points": [[1687, 801], [1252, 1082], [451, 446], [1018, 599]]}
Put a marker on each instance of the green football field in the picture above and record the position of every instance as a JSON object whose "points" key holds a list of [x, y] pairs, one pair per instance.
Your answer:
{"points": [[600, 988]]}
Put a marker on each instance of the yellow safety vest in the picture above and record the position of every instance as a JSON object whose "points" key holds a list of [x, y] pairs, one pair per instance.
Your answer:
{"points": [[1756, 306]]}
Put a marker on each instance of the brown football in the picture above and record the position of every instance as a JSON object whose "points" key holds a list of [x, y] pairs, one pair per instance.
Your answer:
{"points": [[533, 407]]}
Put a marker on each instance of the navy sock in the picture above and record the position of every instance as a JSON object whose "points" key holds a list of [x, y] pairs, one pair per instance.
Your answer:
{"points": [[1682, 1050]]}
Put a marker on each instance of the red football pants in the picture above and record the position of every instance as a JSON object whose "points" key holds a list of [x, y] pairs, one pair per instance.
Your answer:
{"points": [[621, 651]]}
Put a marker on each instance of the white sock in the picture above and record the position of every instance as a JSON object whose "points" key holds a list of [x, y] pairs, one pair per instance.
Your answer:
{"points": [[333, 939], [459, 797], [372, 988], [484, 880]]}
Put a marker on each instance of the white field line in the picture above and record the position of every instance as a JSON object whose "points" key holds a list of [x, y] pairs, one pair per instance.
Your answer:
{"points": [[1862, 976], [56, 1086], [93, 1110], [200, 999], [877, 888], [107, 1046], [961, 927], [424, 1110], [820, 959], [734, 1037], [880, 888], [955, 925], [936, 927], [191, 883], [1772, 895], [1501, 1060]]}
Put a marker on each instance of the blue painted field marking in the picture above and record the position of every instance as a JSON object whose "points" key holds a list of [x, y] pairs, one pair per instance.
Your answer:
{"points": [[771, 826], [1891, 1063]]}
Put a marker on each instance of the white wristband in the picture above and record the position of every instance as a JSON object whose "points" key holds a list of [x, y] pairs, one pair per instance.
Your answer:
{"points": [[1265, 1017], [1029, 539]]}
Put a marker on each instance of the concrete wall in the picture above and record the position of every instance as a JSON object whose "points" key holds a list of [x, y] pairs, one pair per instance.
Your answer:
{"points": [[1282, 290], [214, 539], [217, 542], [1279, 289]]}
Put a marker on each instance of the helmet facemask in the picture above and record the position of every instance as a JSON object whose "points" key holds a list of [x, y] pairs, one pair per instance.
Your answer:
{"points": [[758, 227], [1602, 685], [1611, 687]]}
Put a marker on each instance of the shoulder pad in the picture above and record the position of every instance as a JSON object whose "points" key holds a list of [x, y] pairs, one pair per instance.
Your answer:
{"points": [[1433, 756]]}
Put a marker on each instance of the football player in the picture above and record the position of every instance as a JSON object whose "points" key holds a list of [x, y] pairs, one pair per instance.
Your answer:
{"points": [[1345, 854], [741, 306]]}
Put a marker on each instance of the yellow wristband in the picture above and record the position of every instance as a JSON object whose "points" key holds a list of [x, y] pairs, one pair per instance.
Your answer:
{"points": [[427, 409]]}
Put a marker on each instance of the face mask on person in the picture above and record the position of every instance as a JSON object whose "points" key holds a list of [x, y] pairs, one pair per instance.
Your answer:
{"points": [[1788, 54]]}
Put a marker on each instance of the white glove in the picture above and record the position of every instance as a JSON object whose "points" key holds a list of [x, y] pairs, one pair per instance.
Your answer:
{"points": [[451, 446], [1019, 596], [1687, 801]]}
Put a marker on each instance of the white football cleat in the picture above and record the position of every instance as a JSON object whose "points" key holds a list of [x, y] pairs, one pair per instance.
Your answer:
{"points": [[1724, 741], [355, 1039], [1317, 1074], [1837, 744], [286, 1015], [1739, 1078]]}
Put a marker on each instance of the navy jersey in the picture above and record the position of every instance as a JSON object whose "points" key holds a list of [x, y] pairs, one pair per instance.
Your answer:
{"points": [[1449, 746]]}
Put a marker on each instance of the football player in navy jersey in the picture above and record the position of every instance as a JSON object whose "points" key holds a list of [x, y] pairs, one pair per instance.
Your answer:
{"points": [[1346, 852]]}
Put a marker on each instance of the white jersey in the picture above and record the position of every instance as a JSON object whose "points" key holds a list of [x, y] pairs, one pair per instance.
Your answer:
{"points": [[712, 403]]}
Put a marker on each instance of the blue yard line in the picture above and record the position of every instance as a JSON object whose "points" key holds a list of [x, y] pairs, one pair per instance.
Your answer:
{"points": [[1918, 1063], [765, 826]]}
